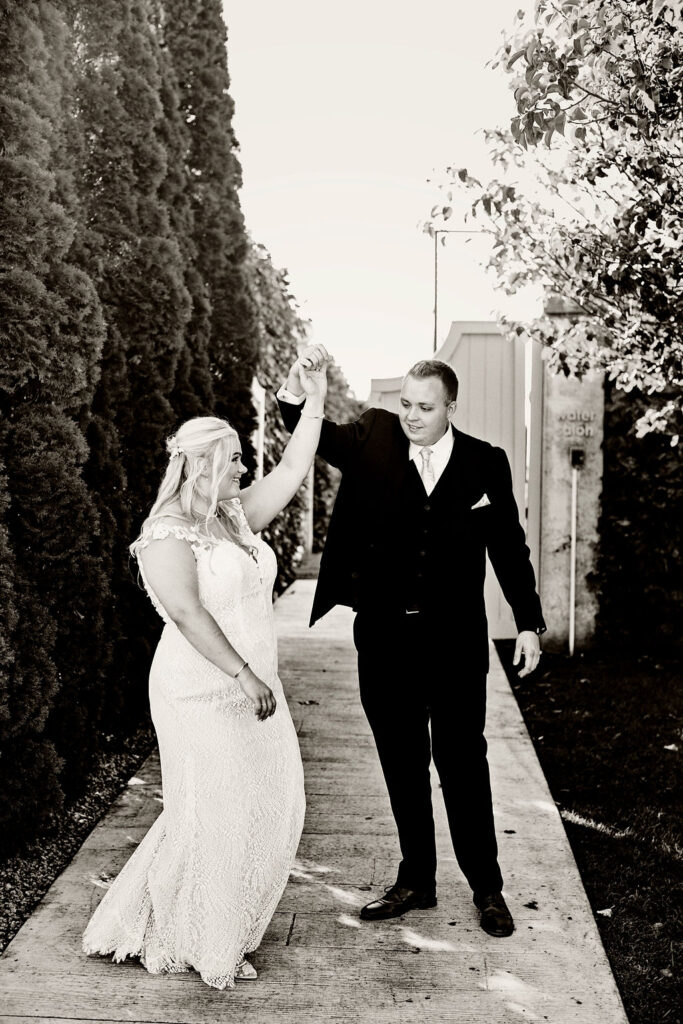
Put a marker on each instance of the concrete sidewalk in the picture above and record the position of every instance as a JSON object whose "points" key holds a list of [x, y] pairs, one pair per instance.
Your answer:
{"points": [[318, 963]]}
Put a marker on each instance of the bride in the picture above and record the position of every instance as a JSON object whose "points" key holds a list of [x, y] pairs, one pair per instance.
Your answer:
{"points": [[202, 885]]}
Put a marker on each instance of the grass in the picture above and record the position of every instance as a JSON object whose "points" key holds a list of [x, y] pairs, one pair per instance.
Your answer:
{"points": [[26, 875], [608, 730]]}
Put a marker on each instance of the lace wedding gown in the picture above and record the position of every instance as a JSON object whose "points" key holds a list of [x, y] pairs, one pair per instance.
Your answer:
{"points": [[199, 890]]}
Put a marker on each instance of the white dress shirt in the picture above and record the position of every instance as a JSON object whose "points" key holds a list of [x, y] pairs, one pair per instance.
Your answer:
{"points": [[441, 449], [286, 396], [441, 453]]}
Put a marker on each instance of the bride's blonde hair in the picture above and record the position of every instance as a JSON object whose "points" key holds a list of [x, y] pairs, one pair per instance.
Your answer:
{"points": [[200, 444]]}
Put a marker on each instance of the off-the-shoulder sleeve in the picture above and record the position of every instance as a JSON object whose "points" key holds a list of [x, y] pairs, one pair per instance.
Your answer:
{"points": [[158, 530]]}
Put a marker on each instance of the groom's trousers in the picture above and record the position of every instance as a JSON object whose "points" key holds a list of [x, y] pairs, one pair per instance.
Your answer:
{"points": [[424, 698]]}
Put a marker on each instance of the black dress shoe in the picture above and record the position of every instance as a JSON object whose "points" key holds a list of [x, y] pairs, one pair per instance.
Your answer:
{"points": [[496, 919], [397, 900]]}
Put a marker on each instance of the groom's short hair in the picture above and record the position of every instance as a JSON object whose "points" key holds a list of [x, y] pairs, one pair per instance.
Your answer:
{"points": [[437, 368]]}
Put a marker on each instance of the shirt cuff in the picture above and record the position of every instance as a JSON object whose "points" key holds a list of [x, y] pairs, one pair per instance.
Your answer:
{"points": [[283, 395]]}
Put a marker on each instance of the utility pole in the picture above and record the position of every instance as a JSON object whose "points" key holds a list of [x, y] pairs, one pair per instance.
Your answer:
{"points": [[437, 232]]}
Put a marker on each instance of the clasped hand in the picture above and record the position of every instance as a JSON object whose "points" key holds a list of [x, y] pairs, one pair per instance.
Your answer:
{"points": [[311, 368], [261, 695]]}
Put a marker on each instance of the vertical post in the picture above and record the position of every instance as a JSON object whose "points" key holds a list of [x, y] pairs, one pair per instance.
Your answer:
{"points": [[259, 398], [437, 232], [572, 561], [534, 412], [436, 285], [310, 494]]}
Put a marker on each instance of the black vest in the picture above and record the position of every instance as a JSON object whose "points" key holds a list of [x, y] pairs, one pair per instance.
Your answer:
{"points": [[414, 562]]}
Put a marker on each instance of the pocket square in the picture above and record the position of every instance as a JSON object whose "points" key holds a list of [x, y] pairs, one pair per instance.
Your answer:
{"points": [[483, 502]]}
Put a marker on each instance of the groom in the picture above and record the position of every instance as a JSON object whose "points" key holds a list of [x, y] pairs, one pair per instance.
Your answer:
{"points": [[419, 506]]}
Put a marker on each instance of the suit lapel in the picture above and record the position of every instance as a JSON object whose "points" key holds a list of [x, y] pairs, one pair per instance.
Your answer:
{"points": [[460, 483]]}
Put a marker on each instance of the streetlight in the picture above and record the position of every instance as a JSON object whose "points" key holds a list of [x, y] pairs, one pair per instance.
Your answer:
{"points": [[446, 231]]}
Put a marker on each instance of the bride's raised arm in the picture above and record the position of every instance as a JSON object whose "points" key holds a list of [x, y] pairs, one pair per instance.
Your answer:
{"points": [[263, 499]]}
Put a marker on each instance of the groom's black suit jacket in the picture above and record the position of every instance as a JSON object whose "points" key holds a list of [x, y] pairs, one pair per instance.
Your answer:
{"points": [[391, 547]]}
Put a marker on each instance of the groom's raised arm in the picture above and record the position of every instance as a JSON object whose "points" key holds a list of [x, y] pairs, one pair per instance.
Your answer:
{"points": [[338, 441]]}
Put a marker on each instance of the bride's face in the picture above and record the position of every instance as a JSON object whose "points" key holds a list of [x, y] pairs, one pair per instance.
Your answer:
{"points": [[229, 484], [229, 476]]}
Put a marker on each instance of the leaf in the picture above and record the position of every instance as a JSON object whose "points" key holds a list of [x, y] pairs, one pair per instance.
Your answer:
{"points": [[515, 57], [607, 912]]}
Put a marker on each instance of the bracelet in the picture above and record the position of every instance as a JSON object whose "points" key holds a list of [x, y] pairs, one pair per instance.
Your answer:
{"points": [[240, 670]]}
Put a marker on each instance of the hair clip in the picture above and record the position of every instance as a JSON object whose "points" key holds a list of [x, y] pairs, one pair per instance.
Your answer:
{"points": [[175, 451]]}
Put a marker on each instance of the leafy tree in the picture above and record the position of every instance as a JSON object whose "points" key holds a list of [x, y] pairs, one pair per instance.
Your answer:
{"points": [[588, 200]]}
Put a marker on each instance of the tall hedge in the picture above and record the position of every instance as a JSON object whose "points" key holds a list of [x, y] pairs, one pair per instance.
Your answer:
{"points": [[281, 331], [195, 34], [124, 309], [129, 246], [639, 573], [51, 342]]}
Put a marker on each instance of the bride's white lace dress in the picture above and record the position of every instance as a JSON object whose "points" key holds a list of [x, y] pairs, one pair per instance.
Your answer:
{"points": [[200, 888]]}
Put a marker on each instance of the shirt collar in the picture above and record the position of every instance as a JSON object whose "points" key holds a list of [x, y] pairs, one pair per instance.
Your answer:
{"points": [[441, 447]]}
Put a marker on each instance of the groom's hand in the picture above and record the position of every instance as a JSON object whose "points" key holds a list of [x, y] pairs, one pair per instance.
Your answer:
{"points": [[312, 357], [528, 647]]}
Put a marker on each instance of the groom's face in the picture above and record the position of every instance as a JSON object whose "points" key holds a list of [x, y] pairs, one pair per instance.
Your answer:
{"points": [[424, 410]]}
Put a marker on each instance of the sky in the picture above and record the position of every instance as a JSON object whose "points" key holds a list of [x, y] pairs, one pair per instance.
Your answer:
{"points": [[343, 114]]}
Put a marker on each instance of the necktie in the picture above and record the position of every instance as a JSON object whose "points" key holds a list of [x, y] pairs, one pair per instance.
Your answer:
{"points": [[427, 473]]}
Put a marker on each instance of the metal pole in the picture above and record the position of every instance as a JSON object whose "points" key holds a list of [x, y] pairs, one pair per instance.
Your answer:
{"points": [[437, 232], [436, 285], [310, 495], [572, 565]]}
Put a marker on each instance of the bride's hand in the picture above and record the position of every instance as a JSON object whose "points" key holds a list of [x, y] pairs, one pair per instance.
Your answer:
{"points": [[314, 382], [259, 694]]}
